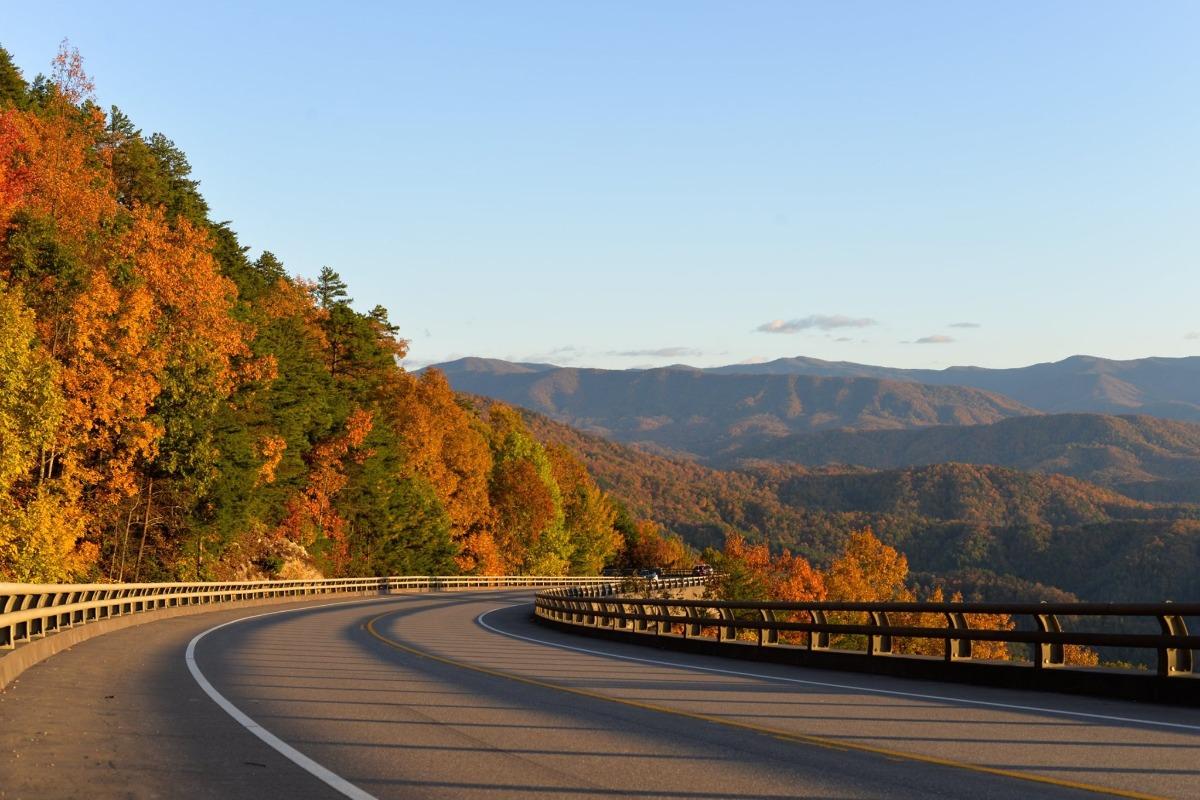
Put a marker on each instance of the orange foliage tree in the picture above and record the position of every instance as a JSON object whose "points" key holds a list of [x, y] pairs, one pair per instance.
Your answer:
{"points": [[648, 545], [310, 518], [444, 444]]}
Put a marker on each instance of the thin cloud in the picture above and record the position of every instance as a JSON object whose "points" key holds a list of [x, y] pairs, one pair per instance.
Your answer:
{"points": [[937, 338], [754, 360], [843, 339], [562, 355], [1192, 335], [965, 325], [414, 364], [660, 352], [824, 322]]}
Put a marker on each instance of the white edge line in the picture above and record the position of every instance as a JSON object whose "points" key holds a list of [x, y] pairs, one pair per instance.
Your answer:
{"points": [[326, 776], [851, 687]]}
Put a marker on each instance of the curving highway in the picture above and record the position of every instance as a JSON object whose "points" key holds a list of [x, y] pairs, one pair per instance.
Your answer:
{"points": [[461, 695]]}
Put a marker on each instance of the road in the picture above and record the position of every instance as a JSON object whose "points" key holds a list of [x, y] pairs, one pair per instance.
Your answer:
{"points": [[437, 695]]}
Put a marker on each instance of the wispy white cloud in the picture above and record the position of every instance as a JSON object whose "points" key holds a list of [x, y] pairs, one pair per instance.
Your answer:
{"points": [[556, 355], [937, 338], [824, 322], [658, 352], [965, 325], [754, 360], [413, 364], [1192, 335]]}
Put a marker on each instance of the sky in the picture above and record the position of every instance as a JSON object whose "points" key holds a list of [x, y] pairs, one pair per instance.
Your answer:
{"points": [[630, 184]]}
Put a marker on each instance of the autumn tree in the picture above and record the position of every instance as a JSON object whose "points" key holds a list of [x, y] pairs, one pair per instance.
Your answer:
{"points": [[39, 534], [311, 517], [395, 523], [445, 444], [647, 544], [870, 571], [750, 572], [588, 514]]}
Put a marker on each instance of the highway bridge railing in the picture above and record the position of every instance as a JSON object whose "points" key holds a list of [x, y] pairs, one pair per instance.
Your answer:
{"points": [[38, 620], [873, 637]]}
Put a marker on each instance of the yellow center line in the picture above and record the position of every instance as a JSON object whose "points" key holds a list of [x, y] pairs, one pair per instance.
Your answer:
{"points": [[789, 736]]}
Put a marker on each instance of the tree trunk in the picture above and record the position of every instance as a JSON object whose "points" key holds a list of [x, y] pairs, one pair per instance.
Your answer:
{"points": [[137, 569], [123, 545]]}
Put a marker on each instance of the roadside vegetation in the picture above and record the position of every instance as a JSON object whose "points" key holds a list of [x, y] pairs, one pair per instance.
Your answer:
{"points": [[866, 571]]}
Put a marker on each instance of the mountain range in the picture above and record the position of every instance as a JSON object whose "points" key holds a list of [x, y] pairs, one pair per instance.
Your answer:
{"points": [[1160, 387], [1044, 418], [693, 412]]}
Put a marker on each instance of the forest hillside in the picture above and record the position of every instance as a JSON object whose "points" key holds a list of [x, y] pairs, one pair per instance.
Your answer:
{"points": [[172, 408]]}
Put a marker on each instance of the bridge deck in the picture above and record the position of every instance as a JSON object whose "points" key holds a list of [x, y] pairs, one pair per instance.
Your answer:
{"points": [[429, 701]]}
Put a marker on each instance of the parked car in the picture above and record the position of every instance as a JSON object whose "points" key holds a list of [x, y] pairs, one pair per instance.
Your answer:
{"points": [[611, 572], [649, 574], [702, 570]]}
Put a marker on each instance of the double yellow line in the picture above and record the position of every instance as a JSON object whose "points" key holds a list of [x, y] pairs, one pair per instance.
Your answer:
{"points": [[801, 738]]}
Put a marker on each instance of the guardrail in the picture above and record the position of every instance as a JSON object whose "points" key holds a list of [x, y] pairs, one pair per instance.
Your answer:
{"points": [[612, 587], [759, 630], [31, 611]]}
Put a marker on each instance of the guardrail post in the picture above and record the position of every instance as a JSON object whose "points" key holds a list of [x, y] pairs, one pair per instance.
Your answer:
{"points": [[6, 631], [879, 644], [641, 624], [818, 640], [664, 627], [1173, 660], [957, 649], [727, 630], [767, 636], [620, 619], [1048, 654], [693, 626], [50, 623], [37, 626]]}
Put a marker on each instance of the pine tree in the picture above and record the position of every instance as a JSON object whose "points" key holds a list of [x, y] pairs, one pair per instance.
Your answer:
{"points": [[330, 290], [13, 89]]}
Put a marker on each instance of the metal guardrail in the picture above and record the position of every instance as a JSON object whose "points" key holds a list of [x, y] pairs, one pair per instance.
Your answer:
{"points": [[763, 623], [612, 587], [31, 611]]}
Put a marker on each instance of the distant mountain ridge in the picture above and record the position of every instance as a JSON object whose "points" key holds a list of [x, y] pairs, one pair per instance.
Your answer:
{"points": [[1160, 387], [695, 412]]}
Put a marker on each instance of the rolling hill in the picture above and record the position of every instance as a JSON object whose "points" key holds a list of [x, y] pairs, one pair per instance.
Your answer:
{"points": [[1148, 457]]}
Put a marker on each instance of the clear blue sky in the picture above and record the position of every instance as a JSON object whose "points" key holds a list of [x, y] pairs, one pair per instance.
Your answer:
{"points": [[628, 183]]}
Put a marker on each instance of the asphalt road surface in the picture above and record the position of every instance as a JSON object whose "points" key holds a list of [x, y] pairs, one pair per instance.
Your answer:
{"points": [[461, 695]]}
